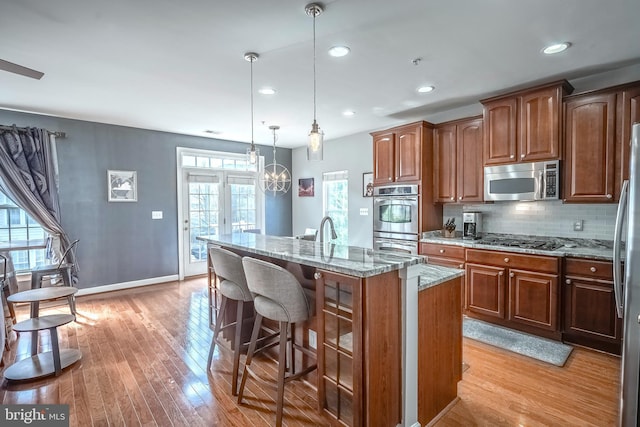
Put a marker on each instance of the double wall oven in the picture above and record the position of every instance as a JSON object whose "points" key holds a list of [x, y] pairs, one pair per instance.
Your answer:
{"points": [[395, 221]]}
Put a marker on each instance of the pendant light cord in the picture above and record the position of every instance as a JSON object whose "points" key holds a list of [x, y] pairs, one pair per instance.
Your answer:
{"points": [[251, 60], [314, 65]]}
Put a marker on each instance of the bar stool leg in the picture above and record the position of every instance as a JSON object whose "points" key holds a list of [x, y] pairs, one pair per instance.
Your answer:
{"points": [[223, 306], [236, 348], [252, 349], [282, 367], [34, 343], [55, 350], [72, 304]]}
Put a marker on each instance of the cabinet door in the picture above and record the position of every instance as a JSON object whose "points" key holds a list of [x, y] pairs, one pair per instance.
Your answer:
{"points": [[383, 158], [533, 299], [339, 348], [539, 125], [408, 153], [591, 309], [445, 164], [590, 148], [485, 290], [470, 172], [500, 131], [628, 114]]}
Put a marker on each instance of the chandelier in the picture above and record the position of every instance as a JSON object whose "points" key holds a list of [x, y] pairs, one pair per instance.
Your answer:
{"points": [[275, 179], [316, 136], [252, 152]]}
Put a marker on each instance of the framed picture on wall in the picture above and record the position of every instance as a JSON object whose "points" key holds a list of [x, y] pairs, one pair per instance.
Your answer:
{"points": [[367, 184], [122, 186], [305, 187]]}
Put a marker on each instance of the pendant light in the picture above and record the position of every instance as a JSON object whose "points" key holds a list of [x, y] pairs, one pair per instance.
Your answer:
{"points": [[316, 136], [275, 180], [253, 153]]}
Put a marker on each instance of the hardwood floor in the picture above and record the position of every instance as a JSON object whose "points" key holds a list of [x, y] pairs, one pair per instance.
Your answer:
{"points": [[145, 350]]}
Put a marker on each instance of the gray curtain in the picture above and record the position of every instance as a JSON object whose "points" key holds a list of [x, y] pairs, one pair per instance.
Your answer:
{"points": [[28, 177]]}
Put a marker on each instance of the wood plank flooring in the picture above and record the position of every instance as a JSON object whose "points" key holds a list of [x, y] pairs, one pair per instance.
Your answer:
{"points": [[145, 350]]}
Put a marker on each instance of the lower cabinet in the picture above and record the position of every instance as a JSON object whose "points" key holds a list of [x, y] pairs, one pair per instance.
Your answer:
{"points": [[446, 256], [359, 348], [514, 290], [590, 317]]}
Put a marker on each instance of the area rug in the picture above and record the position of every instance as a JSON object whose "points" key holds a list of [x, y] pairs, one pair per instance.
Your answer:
{"points": [[543, 349]]}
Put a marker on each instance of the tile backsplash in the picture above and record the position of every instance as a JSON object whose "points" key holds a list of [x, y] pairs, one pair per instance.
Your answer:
{"points": [[549, 218]]}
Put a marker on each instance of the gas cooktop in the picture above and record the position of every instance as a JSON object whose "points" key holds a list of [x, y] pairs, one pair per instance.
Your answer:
{"points": [[544, 245]]}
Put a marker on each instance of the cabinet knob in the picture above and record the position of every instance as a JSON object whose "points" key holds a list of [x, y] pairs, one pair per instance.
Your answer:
{"points": [[609, 196], [568, 281], [512, 156], [396, 178], [317, 275], [441, 251], [506, 260], [511, 274], [522, 156], [593, 269], [459, 197], [461, 266], [453, 198], [500, 273], [390, 178]]}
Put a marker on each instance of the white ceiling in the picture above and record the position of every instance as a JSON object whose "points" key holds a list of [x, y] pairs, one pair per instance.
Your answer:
{"points": [[179, 67]]}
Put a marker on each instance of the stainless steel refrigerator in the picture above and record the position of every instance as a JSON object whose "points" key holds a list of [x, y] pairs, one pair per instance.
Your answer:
{"points": [[627, 288]]}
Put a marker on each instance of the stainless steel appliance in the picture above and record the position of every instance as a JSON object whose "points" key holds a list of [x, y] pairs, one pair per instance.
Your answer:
{"points": [[471, 225], [522, 181], [395, 220], [627, 291]]}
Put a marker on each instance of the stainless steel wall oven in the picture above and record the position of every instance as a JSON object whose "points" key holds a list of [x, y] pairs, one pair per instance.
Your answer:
{"points": [[395, 221]]}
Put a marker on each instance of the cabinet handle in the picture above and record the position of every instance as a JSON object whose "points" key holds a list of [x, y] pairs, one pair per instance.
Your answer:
{"points": [[506, 260], [461, 266], [568, 281], [512, 156], [441, 251], [396, 178], [317, 275], [390, 178], [512, 275], [593, 269], [459, 197], [522, 156], [609, 196], [500, 273], [453, 198]]}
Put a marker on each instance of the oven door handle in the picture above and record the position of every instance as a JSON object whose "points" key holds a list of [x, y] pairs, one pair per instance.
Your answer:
{"points": [[393, 198]]}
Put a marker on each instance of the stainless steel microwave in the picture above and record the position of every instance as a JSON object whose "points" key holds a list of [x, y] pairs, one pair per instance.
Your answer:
{"points": [[522, 181]]}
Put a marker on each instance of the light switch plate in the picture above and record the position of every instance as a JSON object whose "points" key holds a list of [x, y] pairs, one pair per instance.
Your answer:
{"points": [[313, 339], [364, 211], [578, 225], [156, 214]]}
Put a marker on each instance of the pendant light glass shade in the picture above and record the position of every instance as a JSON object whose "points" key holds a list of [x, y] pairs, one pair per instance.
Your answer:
{"points": [[275, 180], [316, 136], [253, 153]]}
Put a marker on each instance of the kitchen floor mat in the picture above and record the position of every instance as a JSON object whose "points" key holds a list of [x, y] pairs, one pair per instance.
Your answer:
{"points": [[543, 349]]}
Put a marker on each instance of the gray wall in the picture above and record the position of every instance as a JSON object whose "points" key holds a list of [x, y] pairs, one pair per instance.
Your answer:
{"points": [[354, 154], [119, 242]]}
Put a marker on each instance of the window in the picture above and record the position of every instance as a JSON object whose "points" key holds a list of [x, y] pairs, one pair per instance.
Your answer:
{"points": [[335, 202], [16, 225]]}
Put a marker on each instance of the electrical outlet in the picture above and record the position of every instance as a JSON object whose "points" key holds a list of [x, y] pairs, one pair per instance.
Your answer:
{"points": [[578, 225], [364, 211], [156, 214], [313, 339]]}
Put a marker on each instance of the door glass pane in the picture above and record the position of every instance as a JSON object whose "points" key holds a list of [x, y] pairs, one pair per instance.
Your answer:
{"points": [[203, 216], [336, 205], [243, 210]]}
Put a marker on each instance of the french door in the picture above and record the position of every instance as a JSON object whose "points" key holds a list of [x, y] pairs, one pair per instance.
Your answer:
{"points": [[214, 203]]}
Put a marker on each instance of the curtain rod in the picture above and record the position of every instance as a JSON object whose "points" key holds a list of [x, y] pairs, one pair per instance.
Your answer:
{"points": [[56, 134]]}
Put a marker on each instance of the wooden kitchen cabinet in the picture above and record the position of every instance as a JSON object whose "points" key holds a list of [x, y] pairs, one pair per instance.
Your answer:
{"points": [[597, 135], [359, 331], [444, 255], [524, 126], [590, 317], [398, 153], [458, 169], [515, 290]]}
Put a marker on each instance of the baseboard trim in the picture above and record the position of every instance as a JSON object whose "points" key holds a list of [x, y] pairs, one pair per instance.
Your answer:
{"points": [[126, 285], [443, 412]]}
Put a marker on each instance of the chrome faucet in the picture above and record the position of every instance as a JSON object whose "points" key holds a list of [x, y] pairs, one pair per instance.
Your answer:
{"points": [[333, 229]]}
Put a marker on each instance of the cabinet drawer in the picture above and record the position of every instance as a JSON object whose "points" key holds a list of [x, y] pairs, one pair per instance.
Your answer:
{"points": [[442, 251], [446, 262], [539, 263], [589, 268]]}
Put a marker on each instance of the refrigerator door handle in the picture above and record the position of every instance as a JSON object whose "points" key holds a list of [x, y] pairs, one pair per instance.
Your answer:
{"points": [[617, 247]]}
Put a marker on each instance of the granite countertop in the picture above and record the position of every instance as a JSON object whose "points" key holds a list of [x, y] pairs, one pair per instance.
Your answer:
{"points": [[570, 247], [350, 260], [432, 275]]}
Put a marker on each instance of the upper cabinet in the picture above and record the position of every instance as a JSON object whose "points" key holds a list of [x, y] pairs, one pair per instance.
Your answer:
{"points": [[398, 153], [524, 126], [458, 173], [597, 135]]}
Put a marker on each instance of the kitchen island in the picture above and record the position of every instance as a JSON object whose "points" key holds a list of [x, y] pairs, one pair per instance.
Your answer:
{"points": [[367, 322]]}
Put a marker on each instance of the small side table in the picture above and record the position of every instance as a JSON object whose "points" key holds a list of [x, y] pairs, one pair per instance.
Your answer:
{"points": [[46, 363], [35, 296]]}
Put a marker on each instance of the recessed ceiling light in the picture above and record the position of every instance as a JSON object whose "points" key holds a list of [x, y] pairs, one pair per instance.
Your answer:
{"points": [[339, 51], [212, 132], [348, 113], [556, 48], [267, 91], [426, 89]]}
